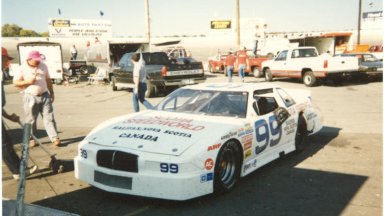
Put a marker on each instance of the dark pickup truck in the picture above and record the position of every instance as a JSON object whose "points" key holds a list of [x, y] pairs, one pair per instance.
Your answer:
{"points": [[161, 72]]}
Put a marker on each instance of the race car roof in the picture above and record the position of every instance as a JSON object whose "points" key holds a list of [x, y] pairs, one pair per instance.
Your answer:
{"points": [[231, 86]]}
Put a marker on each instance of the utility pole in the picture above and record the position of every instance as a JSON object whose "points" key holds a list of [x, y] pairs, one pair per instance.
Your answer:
{"points": [[359, 24], [148, 22], [238, 24]]}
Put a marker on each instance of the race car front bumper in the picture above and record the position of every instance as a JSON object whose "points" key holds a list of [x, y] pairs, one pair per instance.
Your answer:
{"points": [[148, 181]]}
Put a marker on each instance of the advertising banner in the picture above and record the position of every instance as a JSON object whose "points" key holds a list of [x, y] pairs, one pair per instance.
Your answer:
{"points": [[61, 27]]}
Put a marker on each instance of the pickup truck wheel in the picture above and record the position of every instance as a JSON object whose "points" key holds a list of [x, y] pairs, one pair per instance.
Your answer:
{"points": [[151, 90], [83, 70], [210, 69], [256, 72], [114, 87], [309, 79], [268, 75]]}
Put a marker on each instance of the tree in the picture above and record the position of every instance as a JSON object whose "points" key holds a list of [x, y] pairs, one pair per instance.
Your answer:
{"points": [[10, 30], [28, 33]]}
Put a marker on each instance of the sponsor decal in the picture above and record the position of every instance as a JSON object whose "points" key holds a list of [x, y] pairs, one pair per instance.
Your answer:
{"points": [[209, 164], [246, 138], [180, 123], [136, 128], [178, 133], [214, 147], [229, 135], [139, 136], [245, 131], [248, 153], [251, 164], [206, 177], [290, 126], [247, 145], [151, 129]]}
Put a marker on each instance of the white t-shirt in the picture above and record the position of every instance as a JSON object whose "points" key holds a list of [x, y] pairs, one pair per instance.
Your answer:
{"points": [[27, 72], [139, 72]]}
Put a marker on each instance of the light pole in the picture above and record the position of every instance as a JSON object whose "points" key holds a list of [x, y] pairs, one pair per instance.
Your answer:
{"points": [[148, 21], [238, 24], [359, 24]]}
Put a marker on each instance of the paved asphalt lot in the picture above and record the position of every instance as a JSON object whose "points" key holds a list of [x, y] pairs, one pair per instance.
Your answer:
{"points": [[340, 173]]}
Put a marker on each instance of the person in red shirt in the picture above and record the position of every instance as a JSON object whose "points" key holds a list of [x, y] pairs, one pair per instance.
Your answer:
{"points": [[242, 62], [229, 63]]}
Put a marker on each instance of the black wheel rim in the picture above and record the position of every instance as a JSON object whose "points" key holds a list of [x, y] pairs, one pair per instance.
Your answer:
{"points": [[227, 167]]}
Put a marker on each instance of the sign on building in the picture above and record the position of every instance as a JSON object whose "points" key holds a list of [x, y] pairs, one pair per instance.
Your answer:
{"points": [[79, 28], [221, 24]]}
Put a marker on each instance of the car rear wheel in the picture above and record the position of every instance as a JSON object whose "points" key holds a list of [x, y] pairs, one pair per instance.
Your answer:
{"points": [[309, 79], [301, 134], [227, 168], [268, 75]]}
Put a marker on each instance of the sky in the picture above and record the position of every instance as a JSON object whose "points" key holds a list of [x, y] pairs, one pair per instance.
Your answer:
{"points": [[189, 17]]}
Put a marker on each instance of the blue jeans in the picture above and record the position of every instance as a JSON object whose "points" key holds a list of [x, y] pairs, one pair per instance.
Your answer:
{"points": [[229, 73], [140, 96], [242, 72]]}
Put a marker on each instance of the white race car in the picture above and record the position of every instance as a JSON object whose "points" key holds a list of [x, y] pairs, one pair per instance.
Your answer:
{"points": [[200, 139]]}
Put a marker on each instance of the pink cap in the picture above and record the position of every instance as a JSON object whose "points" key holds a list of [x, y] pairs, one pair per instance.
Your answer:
{"points": [[34, 55]]}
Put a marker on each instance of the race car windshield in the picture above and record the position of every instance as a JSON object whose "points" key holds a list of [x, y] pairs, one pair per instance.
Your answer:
{"points": [[213, 103]]}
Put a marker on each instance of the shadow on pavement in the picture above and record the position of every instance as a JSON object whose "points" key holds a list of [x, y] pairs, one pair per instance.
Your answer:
{"points": [[279, 188]]}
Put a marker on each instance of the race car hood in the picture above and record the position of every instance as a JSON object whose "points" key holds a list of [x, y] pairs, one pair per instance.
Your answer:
{"points": [[161, 132]]}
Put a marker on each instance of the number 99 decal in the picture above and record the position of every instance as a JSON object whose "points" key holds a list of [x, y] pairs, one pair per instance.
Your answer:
{"points": [[171, 168], [267, 134]]}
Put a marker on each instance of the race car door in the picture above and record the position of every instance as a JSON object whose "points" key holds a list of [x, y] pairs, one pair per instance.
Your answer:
{"points": [[270, 139]]}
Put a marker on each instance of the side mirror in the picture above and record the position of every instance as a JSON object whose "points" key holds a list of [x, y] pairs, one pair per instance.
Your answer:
{"points": [[281, 115]]}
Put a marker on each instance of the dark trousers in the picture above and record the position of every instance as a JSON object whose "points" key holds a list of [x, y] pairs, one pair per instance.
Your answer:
{"points": [[10, 158]]}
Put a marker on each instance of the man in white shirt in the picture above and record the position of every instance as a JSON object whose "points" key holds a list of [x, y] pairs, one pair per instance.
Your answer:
{"points": [[140, 81], [73, 53], [34, 79]]}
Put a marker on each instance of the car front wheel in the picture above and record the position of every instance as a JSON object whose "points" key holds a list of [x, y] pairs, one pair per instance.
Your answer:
{"points": [[227, 168]]}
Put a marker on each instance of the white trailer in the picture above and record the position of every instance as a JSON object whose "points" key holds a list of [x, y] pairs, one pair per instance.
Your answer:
{"points": [[51, 53]]}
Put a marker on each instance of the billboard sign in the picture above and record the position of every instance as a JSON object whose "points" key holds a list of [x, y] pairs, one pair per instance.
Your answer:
{"points": [[221, 24], [79, 28]]}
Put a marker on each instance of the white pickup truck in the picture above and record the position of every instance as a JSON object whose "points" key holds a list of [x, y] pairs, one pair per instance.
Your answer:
{"points": [[305, 63]]}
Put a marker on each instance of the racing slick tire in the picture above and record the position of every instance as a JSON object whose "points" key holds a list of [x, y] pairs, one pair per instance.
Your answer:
{"points": [[301, 134], [227, 167], [268, 75], [309, 79], [151, 90], [114, 87]]}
